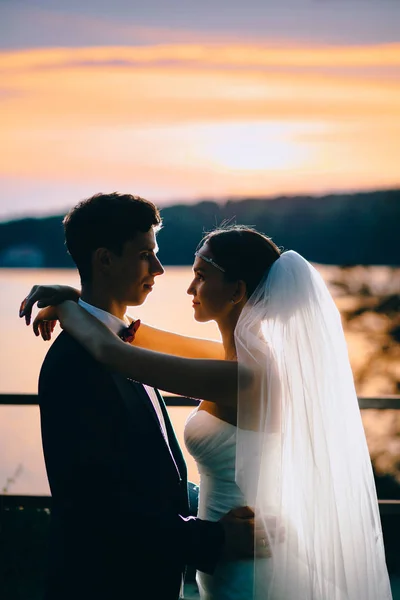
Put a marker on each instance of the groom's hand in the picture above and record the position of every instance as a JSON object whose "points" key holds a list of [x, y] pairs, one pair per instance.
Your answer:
{"points": [[240, 534]]}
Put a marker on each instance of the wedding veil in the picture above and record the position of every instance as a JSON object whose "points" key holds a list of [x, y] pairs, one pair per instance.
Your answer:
{"points": [[302, 459]]}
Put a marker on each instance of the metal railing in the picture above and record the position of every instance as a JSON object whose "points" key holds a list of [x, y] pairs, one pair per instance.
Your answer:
{"points": [[387, 507], [24, 521], [380, 403]]}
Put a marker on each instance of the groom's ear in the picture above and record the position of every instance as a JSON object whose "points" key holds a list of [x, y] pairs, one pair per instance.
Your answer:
{"points": [[102, 259]]}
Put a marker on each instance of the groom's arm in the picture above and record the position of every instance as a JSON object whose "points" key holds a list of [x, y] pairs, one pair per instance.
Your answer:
{"points": [[191, 540], [187, 540]]}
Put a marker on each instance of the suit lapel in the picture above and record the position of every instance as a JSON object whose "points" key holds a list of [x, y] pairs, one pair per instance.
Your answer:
{"points": [[124, 387], [177, 456], [173, 442]]}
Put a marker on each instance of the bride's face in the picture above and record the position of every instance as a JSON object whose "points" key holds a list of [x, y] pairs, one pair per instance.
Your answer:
{"points": [[212, 294]]}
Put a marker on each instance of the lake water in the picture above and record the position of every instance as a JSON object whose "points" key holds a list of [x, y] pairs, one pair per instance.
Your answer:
{"points": [[168, 307]]}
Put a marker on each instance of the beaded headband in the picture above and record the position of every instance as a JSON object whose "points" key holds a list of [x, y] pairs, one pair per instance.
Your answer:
{"points": [[209, 260]]}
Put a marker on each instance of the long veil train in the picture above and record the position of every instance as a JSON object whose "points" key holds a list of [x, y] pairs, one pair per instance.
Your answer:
{"points": [[302, 458]]}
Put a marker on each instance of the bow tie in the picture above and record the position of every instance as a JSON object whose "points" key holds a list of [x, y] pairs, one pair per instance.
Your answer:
{"points": [[128, 334]]}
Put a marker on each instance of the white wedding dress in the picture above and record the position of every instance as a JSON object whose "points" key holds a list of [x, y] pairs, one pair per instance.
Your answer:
{"points": [[298, 456], [212, 443]]}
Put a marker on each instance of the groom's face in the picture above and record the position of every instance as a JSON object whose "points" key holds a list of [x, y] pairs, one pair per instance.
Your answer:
{"points": [[132, 274]]}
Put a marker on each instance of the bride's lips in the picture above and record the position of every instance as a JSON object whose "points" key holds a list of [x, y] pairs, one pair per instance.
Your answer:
{"points": [[195, 303], [148, 286]]}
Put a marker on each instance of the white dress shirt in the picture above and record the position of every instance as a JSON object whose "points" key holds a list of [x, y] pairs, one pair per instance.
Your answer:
{"points": [[116, 325]]}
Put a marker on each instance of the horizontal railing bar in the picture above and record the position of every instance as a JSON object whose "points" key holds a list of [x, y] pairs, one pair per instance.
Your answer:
{"points": [[32, 400], [389, 507], [386, 507], [380, 403]]}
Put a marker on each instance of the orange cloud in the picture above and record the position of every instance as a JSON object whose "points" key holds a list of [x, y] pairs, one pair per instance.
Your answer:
{"points": [[223, 119], [208, 55]]}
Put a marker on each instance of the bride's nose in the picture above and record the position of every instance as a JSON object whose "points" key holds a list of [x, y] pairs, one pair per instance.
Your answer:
{"points": [[191, 290]]}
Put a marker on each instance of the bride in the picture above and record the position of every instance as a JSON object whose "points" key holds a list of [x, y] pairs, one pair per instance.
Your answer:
{"points": [[284, 435]]}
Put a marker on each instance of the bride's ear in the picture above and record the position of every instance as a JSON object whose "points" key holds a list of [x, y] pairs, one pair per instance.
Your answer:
{"points": [[240, 292]]}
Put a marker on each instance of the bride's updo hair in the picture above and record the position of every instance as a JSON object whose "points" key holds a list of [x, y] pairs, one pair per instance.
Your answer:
{"points": [[244, 253]]}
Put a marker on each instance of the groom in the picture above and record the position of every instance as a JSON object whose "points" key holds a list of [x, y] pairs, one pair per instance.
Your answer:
{"points": [[120, 525]]}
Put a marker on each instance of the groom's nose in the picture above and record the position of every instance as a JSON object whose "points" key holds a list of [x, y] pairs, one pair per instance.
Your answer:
{"points": [[156, 267]]}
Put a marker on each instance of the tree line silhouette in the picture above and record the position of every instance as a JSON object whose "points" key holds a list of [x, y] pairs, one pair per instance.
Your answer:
{"points": [[341, 229]]}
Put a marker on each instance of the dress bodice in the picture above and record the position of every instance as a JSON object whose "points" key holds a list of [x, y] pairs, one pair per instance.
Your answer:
{"points": [[212, 443]]}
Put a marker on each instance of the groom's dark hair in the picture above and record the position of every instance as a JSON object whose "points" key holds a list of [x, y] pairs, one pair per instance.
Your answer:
{"points": [[106, 221]]}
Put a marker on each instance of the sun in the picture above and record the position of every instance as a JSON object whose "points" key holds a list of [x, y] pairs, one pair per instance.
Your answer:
{"points": [[257, 147]]}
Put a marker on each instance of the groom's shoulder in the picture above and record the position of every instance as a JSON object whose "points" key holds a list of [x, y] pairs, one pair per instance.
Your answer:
{"points": [[65, 353], [67, 365]]}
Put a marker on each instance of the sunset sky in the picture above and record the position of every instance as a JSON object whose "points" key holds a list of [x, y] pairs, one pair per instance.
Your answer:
{"points": [[177, 101]]}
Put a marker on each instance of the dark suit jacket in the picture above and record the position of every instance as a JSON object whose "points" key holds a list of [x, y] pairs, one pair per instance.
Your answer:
{"points": [[120, 525]]}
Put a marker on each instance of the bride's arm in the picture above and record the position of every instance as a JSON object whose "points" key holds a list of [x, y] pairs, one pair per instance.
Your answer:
{"points": [[146, 337], [160, 340], [206, 379]]}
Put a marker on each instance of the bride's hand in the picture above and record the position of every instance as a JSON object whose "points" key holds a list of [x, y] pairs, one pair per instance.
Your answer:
{"points": [[45, 321], [46, 295]]}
